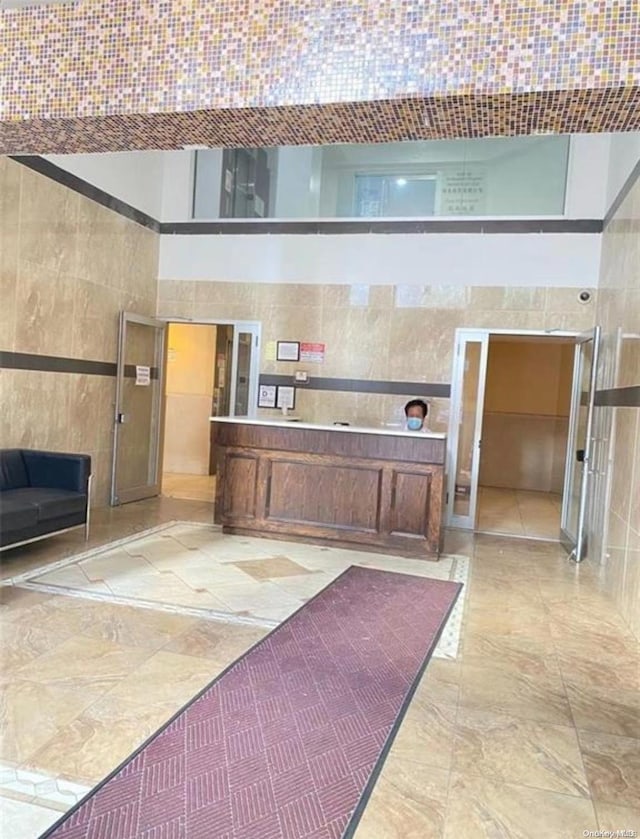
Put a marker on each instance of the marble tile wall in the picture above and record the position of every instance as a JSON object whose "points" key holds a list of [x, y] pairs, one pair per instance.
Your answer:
{"points": [[67, 267], [618, 313], [384, 332]]}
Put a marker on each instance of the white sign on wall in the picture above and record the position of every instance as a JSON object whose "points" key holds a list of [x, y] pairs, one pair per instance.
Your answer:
{"points": [[463, 192], [143, 375]]}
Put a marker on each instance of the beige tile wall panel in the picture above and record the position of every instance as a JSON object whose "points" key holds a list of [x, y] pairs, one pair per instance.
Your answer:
{"points": [[67, 268]]}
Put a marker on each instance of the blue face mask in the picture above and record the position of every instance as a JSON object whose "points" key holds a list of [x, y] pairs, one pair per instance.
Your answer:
{"points": [[414, 423]]}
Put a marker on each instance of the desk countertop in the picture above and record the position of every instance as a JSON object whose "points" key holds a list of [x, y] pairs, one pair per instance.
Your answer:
{"points": [[344, 429]]}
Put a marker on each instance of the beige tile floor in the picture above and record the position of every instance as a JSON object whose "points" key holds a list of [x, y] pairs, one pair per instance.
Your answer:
{"points": [[189, 487], [196, 569], [533, 731], [519, 512]]}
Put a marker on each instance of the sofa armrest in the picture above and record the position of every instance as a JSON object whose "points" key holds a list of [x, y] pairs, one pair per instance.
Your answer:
{"points": [[58, 470]]}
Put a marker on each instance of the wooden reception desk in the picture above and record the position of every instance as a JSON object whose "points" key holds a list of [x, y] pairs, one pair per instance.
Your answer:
{"points": [[365, 488]]}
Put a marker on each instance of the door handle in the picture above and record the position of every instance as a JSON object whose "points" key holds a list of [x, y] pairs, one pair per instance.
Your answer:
{"points": [[580, 455], [121, 418]]}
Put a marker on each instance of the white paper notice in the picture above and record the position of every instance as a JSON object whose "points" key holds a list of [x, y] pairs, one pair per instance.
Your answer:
{"points": [[143, 375]]}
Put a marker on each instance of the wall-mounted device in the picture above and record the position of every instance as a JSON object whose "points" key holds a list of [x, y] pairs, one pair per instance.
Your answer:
{"points": [[301, 376]]}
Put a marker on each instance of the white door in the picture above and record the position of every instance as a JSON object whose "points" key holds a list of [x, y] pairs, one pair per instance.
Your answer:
{"points": [[465, 426], [580, 447]]}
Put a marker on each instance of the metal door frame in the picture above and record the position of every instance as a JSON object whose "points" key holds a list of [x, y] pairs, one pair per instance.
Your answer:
{"points": [[253, 328], [577, 547], [483, 334], [153, 487], [462, 338]]}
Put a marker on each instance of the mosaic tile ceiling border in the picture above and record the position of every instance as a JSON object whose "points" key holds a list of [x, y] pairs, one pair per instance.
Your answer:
{"points": [[111, 74], [181, 55], [359, 122]]}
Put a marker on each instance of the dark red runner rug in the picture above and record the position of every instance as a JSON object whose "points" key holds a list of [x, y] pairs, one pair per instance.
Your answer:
{"points": [[287, 743]]}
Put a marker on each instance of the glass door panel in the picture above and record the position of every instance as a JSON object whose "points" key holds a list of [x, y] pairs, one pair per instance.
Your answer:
{"points": [[576, 494], [139, 389], [467, 399], [244, 372]]}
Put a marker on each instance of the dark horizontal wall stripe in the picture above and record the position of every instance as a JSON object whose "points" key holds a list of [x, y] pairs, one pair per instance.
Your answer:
{"points": [[209, 228], [362, 385], [619, 397], [626, 189], [56, 364], [94, 193]]}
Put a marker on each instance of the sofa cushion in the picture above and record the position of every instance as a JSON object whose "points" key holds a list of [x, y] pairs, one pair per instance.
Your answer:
{"points": [[57, 470], [49, 503], [16, 512], [13, 471]]}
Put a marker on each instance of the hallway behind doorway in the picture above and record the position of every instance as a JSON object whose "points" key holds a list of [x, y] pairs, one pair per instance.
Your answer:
{"points": [[519, 512], [192, 388], [525, 430], [189, 487]]}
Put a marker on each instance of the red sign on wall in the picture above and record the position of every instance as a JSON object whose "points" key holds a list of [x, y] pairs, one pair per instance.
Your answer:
{"points": [[312, 352]]}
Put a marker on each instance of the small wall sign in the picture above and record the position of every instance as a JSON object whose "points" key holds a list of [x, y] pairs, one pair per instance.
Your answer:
{"points": [[312, 352], [462, 192], [267, 396], [286, 397], [143, 375], [288, 351]]}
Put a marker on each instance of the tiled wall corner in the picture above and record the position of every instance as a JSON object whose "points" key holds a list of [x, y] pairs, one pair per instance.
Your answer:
{"points": [[67, 268]]}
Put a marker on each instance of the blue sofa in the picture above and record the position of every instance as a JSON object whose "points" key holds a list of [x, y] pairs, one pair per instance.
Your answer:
{"points": [[41, 494]]}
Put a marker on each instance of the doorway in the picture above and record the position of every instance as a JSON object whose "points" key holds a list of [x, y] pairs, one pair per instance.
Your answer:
{"points": [[525, 429], [520, 434], [211, 370]]}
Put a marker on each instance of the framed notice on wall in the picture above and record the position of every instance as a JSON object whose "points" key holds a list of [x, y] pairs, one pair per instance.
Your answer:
{"points": [[286, 397], [267, 396], [288, 351]]}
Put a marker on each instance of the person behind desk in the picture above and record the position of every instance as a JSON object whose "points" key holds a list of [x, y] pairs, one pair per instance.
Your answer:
{"points": [[416, 411]]}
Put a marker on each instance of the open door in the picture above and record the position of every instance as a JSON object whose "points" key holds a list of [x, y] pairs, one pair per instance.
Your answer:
{"points": [[578, 472], [244, 369], [465, 429], [138, 410]]}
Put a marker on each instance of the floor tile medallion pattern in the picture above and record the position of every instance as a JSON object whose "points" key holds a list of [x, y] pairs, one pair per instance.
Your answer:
{"points": [[285, 743], [251, 74], [197, 570]]}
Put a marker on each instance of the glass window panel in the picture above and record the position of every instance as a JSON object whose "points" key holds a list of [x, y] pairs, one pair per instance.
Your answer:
{"points": [[494, 176]]}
